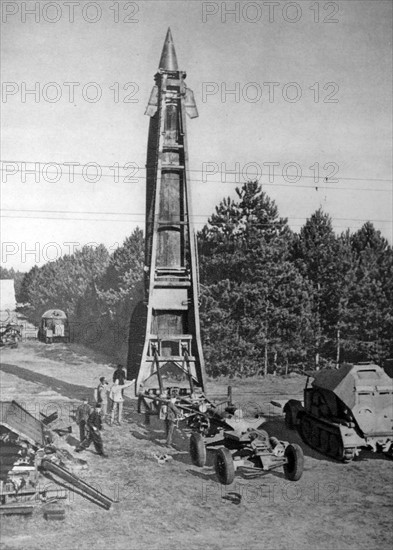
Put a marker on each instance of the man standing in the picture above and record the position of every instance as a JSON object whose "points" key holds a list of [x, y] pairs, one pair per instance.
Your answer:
{"points": [[119, 375], [82, 414], [94, 424], [102, 396], [116, 396], [171, 419]]}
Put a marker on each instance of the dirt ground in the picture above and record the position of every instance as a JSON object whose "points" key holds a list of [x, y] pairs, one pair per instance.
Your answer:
{"points": [[175, 504]]}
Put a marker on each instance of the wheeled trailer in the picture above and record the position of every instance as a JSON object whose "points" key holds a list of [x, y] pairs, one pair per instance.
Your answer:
{"points": [[252, 451]]}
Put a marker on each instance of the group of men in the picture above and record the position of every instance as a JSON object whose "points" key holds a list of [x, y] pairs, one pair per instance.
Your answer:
{"points": [[91, 420], [115, 396]]}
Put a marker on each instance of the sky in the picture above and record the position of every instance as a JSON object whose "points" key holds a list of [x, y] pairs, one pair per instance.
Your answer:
{"points": [[296, 94]]}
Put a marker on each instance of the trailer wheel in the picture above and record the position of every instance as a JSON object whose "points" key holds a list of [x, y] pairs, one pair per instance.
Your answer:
{"points": [[224, 466], [293, 469], [197, 450]]}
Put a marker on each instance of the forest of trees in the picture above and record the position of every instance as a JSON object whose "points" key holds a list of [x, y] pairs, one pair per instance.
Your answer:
{"points": [[270, 299]]}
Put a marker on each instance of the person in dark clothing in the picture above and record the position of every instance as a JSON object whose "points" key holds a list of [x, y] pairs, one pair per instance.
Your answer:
{"points": [[171, 419], [94, 424], [82, 414], [119, 374]]}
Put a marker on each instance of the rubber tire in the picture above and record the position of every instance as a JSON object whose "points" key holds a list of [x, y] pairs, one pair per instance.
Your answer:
{"points": [[224, 467], [197, 450], [293, 470]]}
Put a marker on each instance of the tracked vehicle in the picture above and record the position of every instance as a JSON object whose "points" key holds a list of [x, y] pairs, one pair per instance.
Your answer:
{"points": [[344, 411]]}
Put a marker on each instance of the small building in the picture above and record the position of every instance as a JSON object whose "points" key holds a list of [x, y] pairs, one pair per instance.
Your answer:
{"points": [[7, 301], [7, 295]]}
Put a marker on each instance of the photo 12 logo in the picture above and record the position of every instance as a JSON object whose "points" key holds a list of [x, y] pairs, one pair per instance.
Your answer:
{"points": [[68, 92], [68, 172], [290, 172], [69, 11], [269, 92], [43, 252], [270, 12], [269, 493]]}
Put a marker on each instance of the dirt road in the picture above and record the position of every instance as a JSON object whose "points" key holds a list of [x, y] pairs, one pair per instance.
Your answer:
{"points": [[176, 505]]}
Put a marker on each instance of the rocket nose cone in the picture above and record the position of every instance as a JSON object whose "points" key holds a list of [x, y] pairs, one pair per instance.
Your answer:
{"points": [[168, 60]]}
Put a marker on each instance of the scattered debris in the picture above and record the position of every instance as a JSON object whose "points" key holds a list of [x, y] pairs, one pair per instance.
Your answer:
{"points": [[54, 512], [235, 498], [49, 419], [162, 458], [29, 458], [16, 508]]}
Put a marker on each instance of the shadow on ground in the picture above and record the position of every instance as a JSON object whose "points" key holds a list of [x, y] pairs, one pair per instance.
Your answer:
{"points": [[277, 428], [72, 354], [72, 391]]}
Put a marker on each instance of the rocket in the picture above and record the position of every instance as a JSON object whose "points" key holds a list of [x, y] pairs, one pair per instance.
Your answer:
{"points": [[164, 340]]}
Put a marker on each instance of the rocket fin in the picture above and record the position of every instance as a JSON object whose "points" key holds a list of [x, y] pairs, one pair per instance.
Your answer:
{"points": [[191, 108], [152, 106]]}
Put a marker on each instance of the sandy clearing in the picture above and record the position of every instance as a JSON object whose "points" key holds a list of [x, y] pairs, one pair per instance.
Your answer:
{"points": [[174, 505]]}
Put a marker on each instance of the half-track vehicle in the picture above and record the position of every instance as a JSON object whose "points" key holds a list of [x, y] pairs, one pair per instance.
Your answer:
{"points": [[345, 410]]}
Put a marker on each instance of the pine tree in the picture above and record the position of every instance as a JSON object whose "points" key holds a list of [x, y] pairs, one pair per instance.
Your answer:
{"points": [[255, 303], [370, 304], [125, 268], [325, 260]]}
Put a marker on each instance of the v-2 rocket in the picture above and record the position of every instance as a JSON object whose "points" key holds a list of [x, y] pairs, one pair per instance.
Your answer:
{"points": [[164, 341]]}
